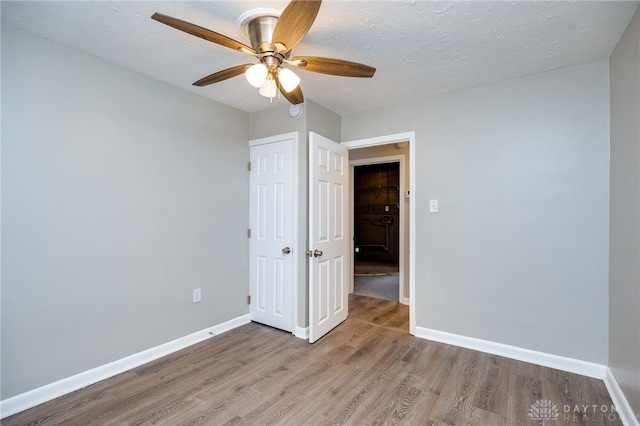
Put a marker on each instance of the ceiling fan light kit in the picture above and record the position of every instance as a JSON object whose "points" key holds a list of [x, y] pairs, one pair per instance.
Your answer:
{"points": [[268, 89], [257, 74], [288, 79], [272, 36]]}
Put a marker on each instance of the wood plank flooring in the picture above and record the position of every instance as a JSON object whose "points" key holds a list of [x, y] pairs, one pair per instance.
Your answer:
{"points": [[367, 371]]}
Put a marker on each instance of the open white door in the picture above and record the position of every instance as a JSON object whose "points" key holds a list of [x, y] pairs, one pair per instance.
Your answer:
{"points": [[328, 235]]}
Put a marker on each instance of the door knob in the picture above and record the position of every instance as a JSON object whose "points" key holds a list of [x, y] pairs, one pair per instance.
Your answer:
{"points": [[286, 250], [317, 253]]}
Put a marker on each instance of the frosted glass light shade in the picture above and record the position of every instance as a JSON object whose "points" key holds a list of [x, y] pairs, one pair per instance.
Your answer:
{"points": [[288, 79], [256, 74], [268, 89]]}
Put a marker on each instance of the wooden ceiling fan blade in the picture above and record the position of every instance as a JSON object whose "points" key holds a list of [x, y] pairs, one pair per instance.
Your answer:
{"points": [[295, 96], [222, 75], [203, 33], [294, 23], [332, 66]]}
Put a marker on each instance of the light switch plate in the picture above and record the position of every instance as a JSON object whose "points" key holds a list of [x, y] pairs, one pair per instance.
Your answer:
{"points": [[433, 206]]}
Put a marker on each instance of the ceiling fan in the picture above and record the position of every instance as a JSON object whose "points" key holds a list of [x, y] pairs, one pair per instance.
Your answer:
{"points": [[272, 38]]}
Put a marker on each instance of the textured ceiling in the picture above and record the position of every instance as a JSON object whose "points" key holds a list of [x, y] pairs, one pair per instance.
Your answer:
{"points": [[420, 48]]}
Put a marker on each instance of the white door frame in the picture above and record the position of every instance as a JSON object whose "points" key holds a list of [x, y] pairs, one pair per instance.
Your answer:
{"points": [[389, 139], [295, 247], [401, 242]]}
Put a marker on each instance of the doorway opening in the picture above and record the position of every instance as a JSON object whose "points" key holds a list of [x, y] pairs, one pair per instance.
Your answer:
{"points": [[381, 155], [376, 230]]}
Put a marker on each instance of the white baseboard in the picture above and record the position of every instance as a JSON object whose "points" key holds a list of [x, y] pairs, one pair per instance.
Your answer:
{"points": [[37, 396], [571, 365], [625, 411], [406, 301], [302, 333]]}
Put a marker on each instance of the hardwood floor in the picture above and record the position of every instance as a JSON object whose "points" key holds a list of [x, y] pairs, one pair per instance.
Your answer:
{"points": [[368, 370]]}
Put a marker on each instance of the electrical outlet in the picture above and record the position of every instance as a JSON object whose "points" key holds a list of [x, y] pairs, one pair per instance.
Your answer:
{"points": [[197, 295]]}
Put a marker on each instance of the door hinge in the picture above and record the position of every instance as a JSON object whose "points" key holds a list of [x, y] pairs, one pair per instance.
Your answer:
{"points": [[248, 299], [249, 233], [249, 165]]}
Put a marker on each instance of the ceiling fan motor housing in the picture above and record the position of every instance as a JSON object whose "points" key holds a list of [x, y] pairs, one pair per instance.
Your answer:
{"points": [[260, 31]]}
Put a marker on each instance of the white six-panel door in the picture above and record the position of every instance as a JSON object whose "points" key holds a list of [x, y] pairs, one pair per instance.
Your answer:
{"points": [[329, 233], [271, 244]]}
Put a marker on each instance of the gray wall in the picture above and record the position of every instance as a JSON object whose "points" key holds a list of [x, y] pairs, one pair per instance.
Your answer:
{"points": [[624, 243], [120, 194], [276, 121], [323, 122], [518, 253]]}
